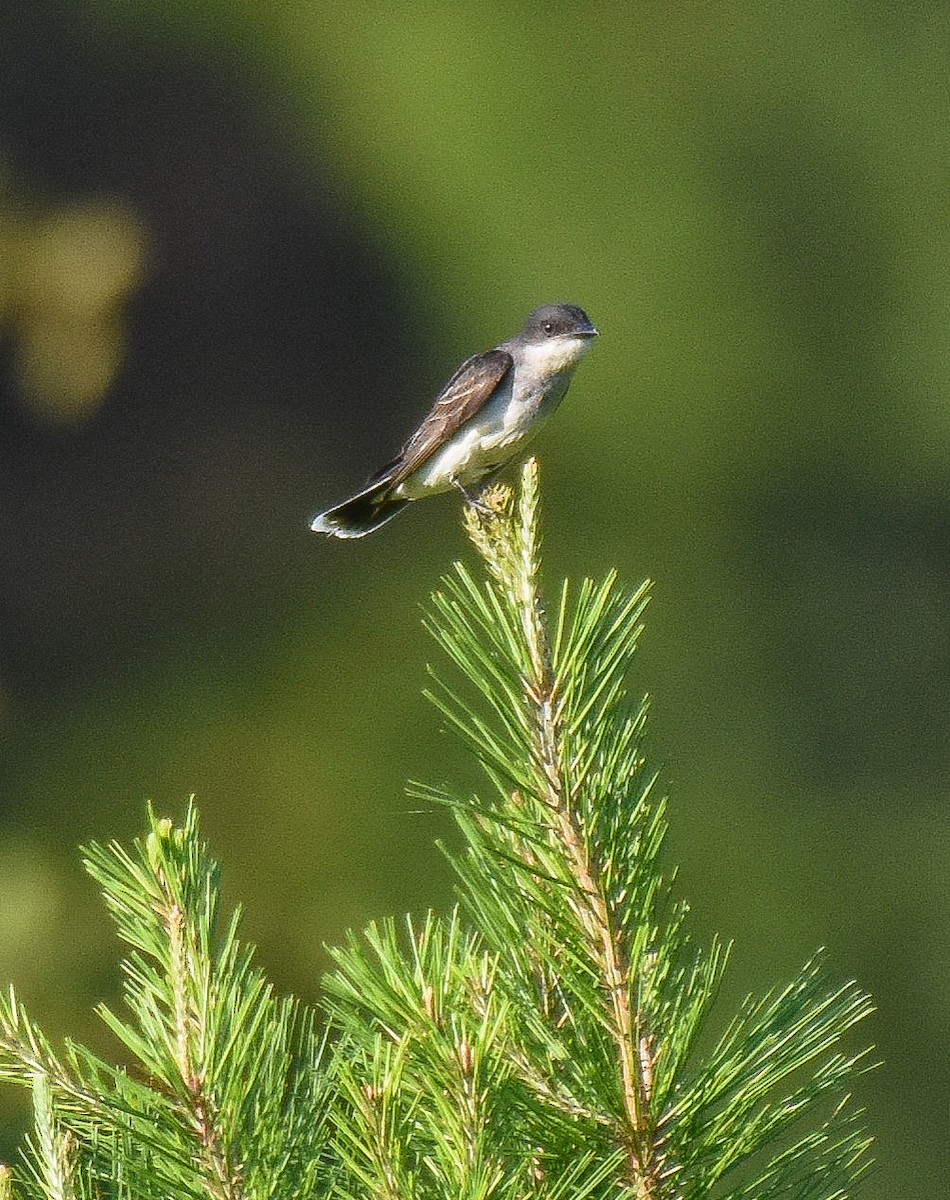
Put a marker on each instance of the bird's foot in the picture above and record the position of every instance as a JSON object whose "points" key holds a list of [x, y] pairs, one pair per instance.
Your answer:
{"points": [[480, 501]]}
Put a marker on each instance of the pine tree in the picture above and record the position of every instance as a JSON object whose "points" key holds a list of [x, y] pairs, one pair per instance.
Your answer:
{"points": [[555, 1036]]}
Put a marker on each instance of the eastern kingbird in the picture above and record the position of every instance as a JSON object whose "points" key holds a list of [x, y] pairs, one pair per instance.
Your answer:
{"points": [[483, 416]]}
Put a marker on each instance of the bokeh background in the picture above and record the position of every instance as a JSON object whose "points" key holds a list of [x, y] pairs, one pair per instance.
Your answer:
{"points": [[241, 246]]}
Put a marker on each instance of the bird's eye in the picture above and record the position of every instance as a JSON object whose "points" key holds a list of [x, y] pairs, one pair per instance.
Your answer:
{"points": [[548, 326]]}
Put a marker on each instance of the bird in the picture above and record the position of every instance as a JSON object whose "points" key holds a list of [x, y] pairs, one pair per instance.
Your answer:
{"points": [[483, 417]]}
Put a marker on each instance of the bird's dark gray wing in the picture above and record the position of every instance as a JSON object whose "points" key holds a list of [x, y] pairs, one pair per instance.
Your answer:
{"points": [[472, 385]]}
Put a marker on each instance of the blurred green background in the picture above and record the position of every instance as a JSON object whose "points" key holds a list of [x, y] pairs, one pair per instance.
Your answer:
{"points": [[242, 245]]}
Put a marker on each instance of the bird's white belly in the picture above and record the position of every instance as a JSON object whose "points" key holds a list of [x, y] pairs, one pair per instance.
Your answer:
{"points": [[468, 457], [475, 451]]}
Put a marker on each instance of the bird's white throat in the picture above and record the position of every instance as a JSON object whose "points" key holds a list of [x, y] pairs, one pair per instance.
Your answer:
{"points": [[557, 353]]}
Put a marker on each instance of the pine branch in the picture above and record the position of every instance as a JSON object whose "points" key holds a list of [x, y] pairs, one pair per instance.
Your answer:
{"points": [[562, 877], [231, 1102], [509, 549], [177, 1004]]}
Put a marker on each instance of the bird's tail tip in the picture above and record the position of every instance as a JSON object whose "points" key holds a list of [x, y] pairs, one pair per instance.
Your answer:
{"points": [[357, 517], [332, 527]]}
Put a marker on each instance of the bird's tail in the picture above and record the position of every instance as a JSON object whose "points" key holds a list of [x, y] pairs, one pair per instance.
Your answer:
{"points": [[359, 515]]}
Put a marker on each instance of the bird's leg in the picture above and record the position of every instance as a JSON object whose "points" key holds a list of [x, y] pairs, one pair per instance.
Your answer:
{"points": [[475, 499]]}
